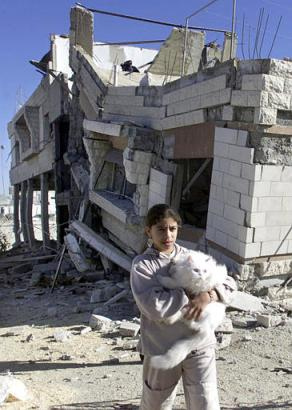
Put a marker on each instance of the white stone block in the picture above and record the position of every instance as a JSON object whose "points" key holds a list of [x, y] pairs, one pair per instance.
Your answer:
{"points": [[286, 232], [241, 154], [248, 203], [249, 250], [225, 96], [281, 188], [210, 100], [287, 203], [210, 232], [143, 157], [286, 173], [265, 116], [271, 172], [227, 113], [245, 234], [233, 245], [216, 207], [254, 219], [278, 218], [221, 149], [216, 164], [223, 225], [279, 101], [217, 178], [264, 234], [274, 248], [252, 82], [273, 83], [288, 86], [251, 172], [270, 204], [221, 238], [249, 98], [235, 168], [226, 135], [242, 137], [224, 165], [122, 91], [259, 188], [234, 214], [230, 197], [235, 184], [124, 100]]}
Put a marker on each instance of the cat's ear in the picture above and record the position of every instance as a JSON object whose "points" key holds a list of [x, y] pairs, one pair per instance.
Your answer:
{"points": [[189, 258]]}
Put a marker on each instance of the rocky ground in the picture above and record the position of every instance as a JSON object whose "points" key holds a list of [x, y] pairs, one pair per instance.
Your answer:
{"points": [[46, 342]]}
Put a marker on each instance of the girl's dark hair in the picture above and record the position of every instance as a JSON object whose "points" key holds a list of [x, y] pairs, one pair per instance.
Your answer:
{"points": [[159, 212]]}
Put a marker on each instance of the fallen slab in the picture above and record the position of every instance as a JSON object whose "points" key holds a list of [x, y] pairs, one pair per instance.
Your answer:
{"points": [[247, 303], [101, 245]]}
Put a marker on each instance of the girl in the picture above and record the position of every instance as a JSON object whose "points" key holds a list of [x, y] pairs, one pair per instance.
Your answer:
{"points": [[198, 369]]}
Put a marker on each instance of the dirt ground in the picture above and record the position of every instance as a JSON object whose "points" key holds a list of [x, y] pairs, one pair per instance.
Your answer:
{"points": [[94, 371]]}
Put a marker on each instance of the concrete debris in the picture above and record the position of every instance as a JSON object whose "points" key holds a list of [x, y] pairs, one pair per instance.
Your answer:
{"points": [[245, 302], [276, 293], [85, 330], [12, 389], [247, 338], [225, 327], [223, 340], [100, 323], [124, 293], [129, 329], [104, 294], [29, 338], [269, 320], [23, 268], [75, 253], [244, 322], [62, 336]]}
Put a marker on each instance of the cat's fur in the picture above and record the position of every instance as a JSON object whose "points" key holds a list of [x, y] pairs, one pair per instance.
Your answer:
{"points": [[195, 273]]}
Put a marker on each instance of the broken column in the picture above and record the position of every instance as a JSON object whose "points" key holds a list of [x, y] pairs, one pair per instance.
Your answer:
{"points": [[16, 225], [28, 216], [44, 210], [23, 205]]}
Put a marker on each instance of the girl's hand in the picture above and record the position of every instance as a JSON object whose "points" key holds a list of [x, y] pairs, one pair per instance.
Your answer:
{"points": [[196, 305]]}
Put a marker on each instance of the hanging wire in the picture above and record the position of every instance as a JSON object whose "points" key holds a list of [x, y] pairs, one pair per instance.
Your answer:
{"points": [[275, 36]]}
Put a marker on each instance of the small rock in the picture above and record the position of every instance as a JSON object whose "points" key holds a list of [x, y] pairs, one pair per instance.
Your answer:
{"points": [[246, 338], [62, 336], [129, 329], [66, 357], [268, 320], [29, 338], [85, 330], [100, 323]]}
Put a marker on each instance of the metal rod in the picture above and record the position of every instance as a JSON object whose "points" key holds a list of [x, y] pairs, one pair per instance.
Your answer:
{"points": [[58, 268], [233, 29], [196, 176], [275, 36], [186, 32], [264, 35], [185, 47], [242, 37], [162, 23]]}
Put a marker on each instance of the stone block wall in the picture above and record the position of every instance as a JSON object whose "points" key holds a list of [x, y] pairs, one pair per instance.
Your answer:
{"points": [[159, 187], [250, 204]]}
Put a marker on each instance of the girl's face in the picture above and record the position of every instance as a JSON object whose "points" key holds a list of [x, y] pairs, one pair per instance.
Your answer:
{"points": [[163, 234]]}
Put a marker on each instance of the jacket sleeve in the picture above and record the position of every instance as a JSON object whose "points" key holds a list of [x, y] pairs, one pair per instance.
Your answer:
{"points": [[154, 301], [227, 290]]}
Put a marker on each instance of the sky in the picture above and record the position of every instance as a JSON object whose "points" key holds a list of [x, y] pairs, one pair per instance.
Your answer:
{"points": [[26, 25]]}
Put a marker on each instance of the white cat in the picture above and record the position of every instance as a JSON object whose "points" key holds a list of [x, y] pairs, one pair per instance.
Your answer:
{"points": [[195, 273]]}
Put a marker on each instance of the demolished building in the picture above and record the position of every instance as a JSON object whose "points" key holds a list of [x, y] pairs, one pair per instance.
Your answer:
{"points": [[214, 143]]}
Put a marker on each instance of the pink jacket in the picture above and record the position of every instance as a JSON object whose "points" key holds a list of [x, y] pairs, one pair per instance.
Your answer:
{"points": [[157, 303]]}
